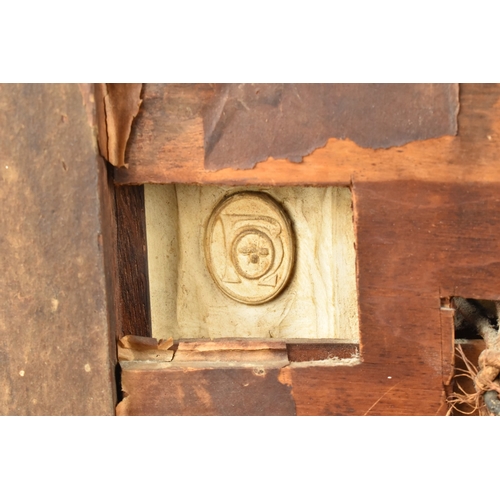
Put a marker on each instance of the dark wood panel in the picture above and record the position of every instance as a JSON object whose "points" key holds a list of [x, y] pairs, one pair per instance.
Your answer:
{"points": [[57, 352], [195, 390], [169, 125], [417, 242], [366, 389], [134, 307]]}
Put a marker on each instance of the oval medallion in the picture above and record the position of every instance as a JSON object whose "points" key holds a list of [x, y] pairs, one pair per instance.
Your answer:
{"points": [[249, 247]]}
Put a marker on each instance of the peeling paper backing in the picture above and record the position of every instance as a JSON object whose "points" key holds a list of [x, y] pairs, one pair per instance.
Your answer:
{"points": [[247, 123], [117, 106]]}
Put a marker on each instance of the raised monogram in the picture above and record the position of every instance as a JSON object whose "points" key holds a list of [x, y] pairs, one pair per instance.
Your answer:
{"points": [[249, 247]]}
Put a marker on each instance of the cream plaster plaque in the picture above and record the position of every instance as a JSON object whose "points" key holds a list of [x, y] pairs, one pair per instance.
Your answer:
{"points": [[249, 247], [319, 300]]}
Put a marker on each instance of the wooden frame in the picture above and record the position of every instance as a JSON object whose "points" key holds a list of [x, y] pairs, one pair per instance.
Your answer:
{"points": [[426, 217]]}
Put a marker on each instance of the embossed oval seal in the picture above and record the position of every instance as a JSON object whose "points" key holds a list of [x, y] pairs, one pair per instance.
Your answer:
{"points": [[249, 247]]}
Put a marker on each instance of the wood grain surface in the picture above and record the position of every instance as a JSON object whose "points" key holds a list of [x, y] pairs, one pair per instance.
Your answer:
{"points": [[201, 390], [57, 321], [204, 128]]}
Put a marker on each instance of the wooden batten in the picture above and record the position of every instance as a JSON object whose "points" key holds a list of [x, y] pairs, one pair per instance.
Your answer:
{"points": [[133, 301], [58, 315], [240, 351]]}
